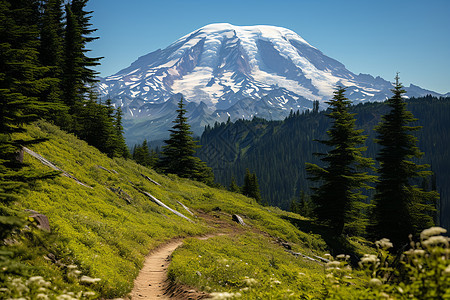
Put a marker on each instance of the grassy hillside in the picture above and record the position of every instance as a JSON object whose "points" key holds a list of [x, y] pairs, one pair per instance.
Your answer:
{"points": [[102, 230], [107, 234]]}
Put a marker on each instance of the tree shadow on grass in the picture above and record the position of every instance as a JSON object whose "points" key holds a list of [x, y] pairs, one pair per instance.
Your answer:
{"points": [[338, 244]]}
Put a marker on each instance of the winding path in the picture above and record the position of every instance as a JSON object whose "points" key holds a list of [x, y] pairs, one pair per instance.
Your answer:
{"points": [[151, 282]]}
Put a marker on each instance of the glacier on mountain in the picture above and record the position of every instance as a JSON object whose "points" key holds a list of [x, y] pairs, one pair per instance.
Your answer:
{"points": [[226, 71]]}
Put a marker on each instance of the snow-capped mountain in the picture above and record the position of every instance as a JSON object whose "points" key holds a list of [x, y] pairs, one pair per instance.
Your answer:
{"points": [[226, 71]]}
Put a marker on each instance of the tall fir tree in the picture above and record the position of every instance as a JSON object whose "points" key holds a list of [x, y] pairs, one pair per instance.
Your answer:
{"points": [[72, 83], [142, 155], [78, 75], [251, 186], [51, 46], [339, 197], [120, 145], [178, 157], [400, 208], [22, 82], [234, 187]]}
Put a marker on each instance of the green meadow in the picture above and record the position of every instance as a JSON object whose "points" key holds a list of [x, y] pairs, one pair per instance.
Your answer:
{"points": [[101, 232]]}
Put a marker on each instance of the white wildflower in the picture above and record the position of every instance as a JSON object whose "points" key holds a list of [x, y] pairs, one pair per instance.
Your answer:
{"points": [[384, 244], [250, 281], [436, 240], [274, 280], [447, 270], [369, 259], [64, 297], [72, 267], [88, 279], [375, 282], [333, 264], [89, 294], [224, 295], [432, 232], [342, 257], [35, 278], [419, 252], [41, 297]]}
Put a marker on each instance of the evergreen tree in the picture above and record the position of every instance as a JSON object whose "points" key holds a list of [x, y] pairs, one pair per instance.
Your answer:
{"points": [[121, 146], [141, 154], [178, 153], [246, 188], [400, 208], [21, 84], [77, 73], [338, 199], [251, 186], [72, 83], [51, 47], [83, 21], [233, 186], [305, 208]]}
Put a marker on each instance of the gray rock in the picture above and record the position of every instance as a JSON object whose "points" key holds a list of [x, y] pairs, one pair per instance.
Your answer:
{"points": [[238, 219]]}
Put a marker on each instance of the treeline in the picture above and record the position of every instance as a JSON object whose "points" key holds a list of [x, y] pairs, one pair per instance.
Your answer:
{"points": [[44, 50], [45, 72], [278, 150]]}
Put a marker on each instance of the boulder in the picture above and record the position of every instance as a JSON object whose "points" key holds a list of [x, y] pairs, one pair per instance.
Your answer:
{"points": [[238, 219], [41, 220]]}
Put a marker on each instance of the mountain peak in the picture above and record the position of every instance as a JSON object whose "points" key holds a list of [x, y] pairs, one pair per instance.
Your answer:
{"points": [[223, 64]]}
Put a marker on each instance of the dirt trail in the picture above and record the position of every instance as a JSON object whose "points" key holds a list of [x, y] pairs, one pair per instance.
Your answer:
{"points": [[151, 282]]}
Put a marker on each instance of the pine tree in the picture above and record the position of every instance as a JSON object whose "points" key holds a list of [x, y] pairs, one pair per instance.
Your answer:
{"points": [[400, 208], [77, 73], [21, 83], [72, 83], [51, 47], [178, 157], [83, 18], [233, 186], [246, 188], [121, 146], [251, 186], [141, 154], [255, 192], [305, 207], [178, 153], [338, 199]]}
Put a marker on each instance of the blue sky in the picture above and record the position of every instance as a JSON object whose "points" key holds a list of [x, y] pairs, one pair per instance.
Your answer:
{"points": [[374, 37]]}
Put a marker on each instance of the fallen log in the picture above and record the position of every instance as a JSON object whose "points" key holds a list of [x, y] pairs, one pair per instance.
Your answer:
{"points": [[185, 207], [238, 219], [303, 255], [165, 206], [51, 165], [149, 179], [103, 168]]}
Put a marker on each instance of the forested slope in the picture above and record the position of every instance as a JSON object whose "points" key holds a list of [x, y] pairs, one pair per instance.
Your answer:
{"points": [[278, 150]]}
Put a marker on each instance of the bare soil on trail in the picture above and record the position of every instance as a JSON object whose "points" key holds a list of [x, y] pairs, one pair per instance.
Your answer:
{"points": [[152, 282]]}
